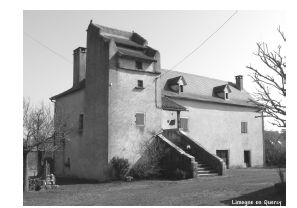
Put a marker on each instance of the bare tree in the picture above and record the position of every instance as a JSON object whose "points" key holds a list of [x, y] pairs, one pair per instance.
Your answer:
{"points": [[271, 86], [41, 132]]}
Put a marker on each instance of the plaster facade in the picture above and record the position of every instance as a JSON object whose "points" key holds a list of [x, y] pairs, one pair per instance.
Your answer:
{"points": [[218, 127], [107, 96]]}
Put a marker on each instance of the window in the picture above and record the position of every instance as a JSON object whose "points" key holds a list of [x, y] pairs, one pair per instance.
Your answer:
{"points": [[226, 96], [181, 88], [139, 65], [244, 127], [139, 121], [81, 122], [140, 84], [184, 124]]}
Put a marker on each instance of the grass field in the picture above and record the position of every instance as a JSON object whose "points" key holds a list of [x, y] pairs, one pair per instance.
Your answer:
{"points": [[238, 186]]}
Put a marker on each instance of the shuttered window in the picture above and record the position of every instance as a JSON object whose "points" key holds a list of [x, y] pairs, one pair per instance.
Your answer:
{"points": [[244, 126], [139, 121], [81, 122], [184, 124]]}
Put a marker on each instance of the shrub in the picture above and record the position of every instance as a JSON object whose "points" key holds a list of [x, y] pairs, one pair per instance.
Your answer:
{"points": [[118, 168], [178, 174], [145, 171], [275, 153], [148, 166]]}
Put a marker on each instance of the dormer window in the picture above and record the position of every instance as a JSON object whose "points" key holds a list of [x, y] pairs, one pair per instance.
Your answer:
{"points": [[176, 84], [139, 65], [222, 91]]}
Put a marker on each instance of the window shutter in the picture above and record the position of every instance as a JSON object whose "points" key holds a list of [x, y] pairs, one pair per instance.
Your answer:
{"points": [[184, 124], [244, 127], [139, 119]]}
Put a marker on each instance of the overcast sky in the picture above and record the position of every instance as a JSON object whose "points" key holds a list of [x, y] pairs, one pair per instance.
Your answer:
{"points": [[174, 33]]}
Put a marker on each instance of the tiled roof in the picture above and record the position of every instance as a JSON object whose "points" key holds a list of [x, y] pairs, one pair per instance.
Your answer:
{"points": [[168, 104], [134, 53], [75, 88], [201, 89], [113, 31]]}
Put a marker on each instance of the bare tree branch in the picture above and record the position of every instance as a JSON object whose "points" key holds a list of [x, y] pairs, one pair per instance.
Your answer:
{"points": [[271, 88]]}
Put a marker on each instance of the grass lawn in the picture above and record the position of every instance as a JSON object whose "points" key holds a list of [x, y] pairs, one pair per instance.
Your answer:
{"points": [[239, 185]]}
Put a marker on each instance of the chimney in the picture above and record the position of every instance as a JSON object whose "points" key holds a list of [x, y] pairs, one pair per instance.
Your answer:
{"points": [[79, 64], [239, 82]]}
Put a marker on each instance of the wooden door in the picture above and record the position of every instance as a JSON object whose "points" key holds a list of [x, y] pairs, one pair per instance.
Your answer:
{"points": [[247, 158]]}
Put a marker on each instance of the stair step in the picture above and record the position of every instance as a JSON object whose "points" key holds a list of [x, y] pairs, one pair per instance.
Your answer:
{"points": [[205, 171], [207, 174], [202, 168], [202, 165]]}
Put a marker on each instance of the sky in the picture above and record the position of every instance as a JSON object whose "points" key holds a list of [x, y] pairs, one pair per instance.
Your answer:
{"points": [[47, 60]]}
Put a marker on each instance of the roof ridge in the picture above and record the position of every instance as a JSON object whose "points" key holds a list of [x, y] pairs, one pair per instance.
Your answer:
{"points": [[227, 82]]}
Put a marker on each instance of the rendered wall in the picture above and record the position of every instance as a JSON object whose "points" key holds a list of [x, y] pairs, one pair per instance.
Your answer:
{"points": [[125, 138], [71, 106], [131, 64], [94, 149], [218, 127]]}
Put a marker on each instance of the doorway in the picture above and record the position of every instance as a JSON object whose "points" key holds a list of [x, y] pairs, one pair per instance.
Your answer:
{"points": [[247, 158], [224, 155]]}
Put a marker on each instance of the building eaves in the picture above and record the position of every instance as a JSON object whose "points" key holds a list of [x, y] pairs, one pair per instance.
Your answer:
{"points": [[124, 42], [168, 104], [135, 54], [77, 87]]}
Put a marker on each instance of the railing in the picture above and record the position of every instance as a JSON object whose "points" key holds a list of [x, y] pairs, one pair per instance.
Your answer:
{"points": [[201, 154]]}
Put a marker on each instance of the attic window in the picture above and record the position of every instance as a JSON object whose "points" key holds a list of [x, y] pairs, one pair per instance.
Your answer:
{"points": [[139, 65], [181, 88], [226, 96]]}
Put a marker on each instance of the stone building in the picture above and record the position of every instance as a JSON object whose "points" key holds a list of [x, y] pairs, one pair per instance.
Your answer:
{"points": [[121, 97]]}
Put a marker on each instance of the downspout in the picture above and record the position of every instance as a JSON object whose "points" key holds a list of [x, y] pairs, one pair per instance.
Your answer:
{"points": [[156, 93]]}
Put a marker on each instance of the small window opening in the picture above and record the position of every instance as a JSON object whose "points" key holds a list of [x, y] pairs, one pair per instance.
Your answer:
{"points": [[139, 65], [227, 96], [140, 83]]}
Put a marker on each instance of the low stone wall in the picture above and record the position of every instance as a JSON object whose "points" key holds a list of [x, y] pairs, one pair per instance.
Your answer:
{"points": [[176, 158]]}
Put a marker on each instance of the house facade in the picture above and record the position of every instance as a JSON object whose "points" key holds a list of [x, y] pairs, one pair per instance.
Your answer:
{"points": [[121, 98]]}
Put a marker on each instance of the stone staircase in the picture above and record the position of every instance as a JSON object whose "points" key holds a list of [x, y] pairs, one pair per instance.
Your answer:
{"points": [[205, 170], [208, 164]]}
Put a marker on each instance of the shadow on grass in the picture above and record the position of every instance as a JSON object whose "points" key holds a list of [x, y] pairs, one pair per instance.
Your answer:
{"points": [[267, 196]]}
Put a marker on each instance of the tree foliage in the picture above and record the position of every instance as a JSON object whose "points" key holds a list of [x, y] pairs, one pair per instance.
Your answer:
{"points": [[271, 86]]}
